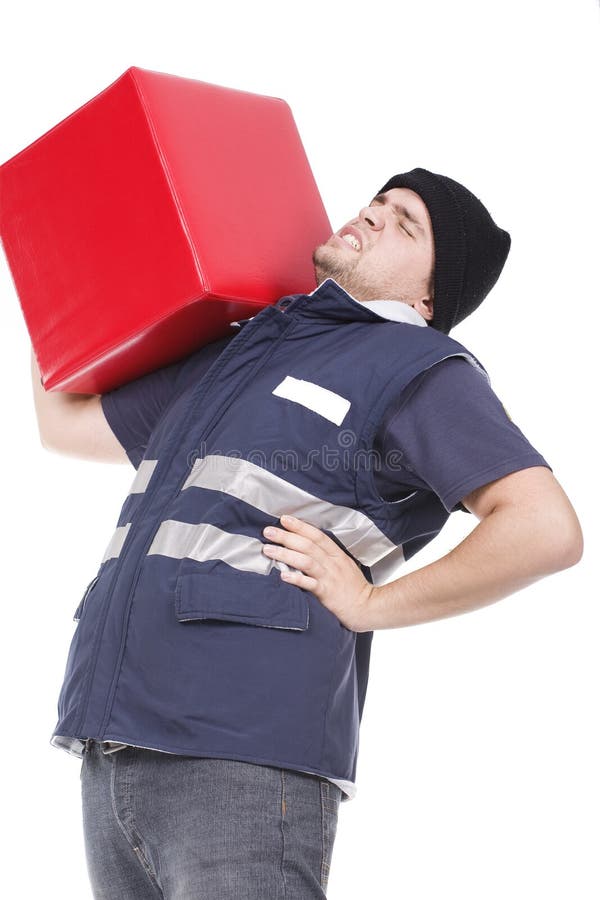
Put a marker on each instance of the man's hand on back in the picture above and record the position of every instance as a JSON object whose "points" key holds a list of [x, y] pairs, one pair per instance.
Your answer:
{"points": [[528, 529]]}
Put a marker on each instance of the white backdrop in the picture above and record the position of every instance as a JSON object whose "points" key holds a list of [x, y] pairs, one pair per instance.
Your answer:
{"points": [[478, 767]]}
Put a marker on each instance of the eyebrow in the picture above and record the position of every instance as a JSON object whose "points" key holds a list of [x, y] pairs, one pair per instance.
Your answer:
{"points": [[380, 198]]}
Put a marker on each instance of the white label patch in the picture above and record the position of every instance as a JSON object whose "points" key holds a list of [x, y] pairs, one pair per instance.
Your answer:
{"points": [[321, 400]]}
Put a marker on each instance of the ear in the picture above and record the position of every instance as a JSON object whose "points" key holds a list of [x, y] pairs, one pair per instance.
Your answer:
{"points": [[425, 307]]}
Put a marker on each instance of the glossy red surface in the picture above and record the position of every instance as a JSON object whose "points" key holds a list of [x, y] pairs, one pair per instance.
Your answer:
{"points": [[145, 222]]}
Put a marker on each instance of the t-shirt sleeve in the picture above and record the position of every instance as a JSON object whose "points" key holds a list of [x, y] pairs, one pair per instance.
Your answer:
{"points": [[449, 433], [133, 409]]}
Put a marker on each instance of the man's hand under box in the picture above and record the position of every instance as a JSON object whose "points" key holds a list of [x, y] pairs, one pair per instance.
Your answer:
{"points": [[145, 222]]}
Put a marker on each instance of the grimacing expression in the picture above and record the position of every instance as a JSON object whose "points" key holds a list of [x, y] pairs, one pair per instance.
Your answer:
{"points": [[386, 253]]}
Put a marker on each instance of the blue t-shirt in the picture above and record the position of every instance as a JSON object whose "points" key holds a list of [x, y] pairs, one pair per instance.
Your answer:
{"points": [[447, 433], [450, 434]]}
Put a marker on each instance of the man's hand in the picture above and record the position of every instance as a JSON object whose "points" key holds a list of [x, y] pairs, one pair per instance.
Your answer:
{"points": [[325, 570], [527, 530]]}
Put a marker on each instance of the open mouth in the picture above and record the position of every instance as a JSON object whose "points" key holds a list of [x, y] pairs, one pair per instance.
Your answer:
{"points": [[351, 238]]}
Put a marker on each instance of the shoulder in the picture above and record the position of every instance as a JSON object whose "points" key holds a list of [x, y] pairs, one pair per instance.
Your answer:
{"points": [[454, 431], [450, 384]]}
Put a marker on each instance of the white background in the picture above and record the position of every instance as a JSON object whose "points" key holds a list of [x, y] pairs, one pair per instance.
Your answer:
{"points": [[478, 767]]}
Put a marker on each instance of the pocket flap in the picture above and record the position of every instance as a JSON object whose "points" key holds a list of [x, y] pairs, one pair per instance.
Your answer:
{"points": [[251, 599]]}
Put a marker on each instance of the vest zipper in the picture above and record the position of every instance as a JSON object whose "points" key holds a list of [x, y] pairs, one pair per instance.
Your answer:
{"points": [[286, 303], [146, 503]]}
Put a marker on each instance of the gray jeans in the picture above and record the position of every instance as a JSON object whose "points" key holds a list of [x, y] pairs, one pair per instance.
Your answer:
{"points": [[158, 825]]}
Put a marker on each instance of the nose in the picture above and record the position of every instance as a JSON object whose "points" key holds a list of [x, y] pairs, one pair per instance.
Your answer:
{"points": [[373, 217]]}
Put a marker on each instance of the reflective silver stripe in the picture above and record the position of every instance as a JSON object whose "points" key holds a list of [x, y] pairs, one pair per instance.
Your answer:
{"points": [[203, 542], [276, 497], [143, 476], [116, 542], [386, 568], [139, 484]]}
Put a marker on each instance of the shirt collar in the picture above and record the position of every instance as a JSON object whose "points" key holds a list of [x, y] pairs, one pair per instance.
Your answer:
{"points": [[395, 310]]}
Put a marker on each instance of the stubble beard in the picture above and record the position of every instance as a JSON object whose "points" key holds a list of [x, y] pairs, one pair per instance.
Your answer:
{"points": [[329, 263]]}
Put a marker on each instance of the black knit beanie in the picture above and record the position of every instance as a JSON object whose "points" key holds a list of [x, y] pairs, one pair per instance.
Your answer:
{"points": [[470, 249]]}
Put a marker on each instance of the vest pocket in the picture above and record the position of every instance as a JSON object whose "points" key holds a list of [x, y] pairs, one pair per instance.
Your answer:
{"points": [[89, 588], [247, 598]]}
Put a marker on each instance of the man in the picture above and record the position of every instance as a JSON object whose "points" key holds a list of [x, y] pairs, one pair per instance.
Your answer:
{"points": [[218, 672], [521, 541]]}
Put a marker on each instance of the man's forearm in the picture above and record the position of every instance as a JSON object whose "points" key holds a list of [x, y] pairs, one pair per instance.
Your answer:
{"points": [[503, 554], [50, 406]]}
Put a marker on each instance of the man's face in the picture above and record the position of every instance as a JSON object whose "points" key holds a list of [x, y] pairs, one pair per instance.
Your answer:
{"points": [[386, 253]]}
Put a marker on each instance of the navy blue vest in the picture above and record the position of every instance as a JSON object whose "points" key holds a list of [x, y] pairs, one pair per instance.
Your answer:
{"points": [[187, 639]]}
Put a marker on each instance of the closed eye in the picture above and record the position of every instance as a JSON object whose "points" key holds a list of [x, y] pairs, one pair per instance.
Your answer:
{"points": [[379, 203]]}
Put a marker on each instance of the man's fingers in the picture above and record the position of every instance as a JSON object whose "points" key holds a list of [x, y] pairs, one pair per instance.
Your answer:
{"points": [[294, 558]]}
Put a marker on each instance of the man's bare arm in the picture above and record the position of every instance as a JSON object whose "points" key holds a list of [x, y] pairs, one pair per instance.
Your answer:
{"points": [[74, 424], [528, 529]]}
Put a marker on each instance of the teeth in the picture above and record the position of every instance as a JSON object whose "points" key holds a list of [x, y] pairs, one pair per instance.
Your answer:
{"points": [[350, 239]]}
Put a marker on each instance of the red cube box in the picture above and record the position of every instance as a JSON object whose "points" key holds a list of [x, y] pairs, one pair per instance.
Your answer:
{"points": [[145, 222]]}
